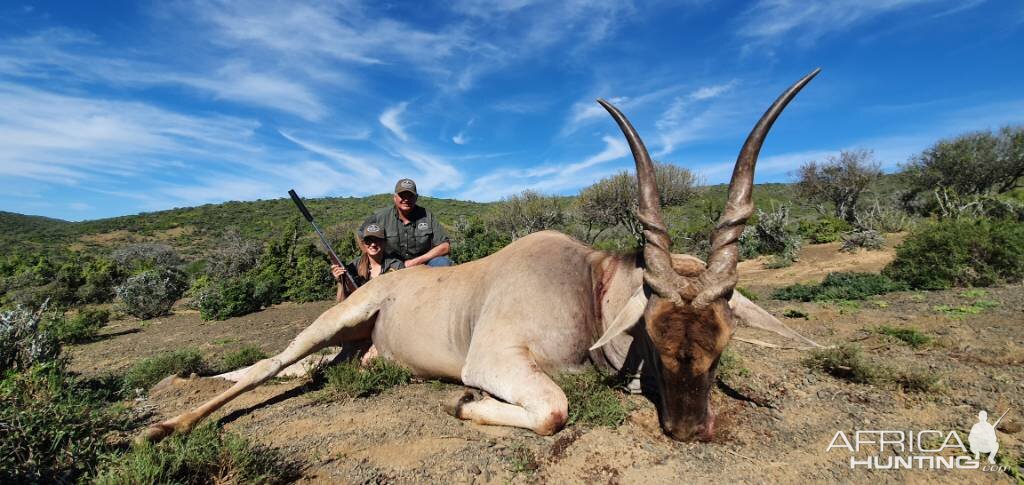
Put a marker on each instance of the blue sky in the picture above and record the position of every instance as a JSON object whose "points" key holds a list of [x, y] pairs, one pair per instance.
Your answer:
{"points": [[112, 108]]}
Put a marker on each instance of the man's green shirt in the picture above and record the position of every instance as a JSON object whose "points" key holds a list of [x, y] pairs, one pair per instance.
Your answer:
{"points": [[407, 241]]}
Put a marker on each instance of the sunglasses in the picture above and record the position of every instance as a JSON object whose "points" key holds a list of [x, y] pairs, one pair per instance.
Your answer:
{"points": [[373, 241]]}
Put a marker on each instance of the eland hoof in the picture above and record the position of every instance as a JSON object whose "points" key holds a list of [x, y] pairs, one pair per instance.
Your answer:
{"points": [[454, 407], [154, 433]]}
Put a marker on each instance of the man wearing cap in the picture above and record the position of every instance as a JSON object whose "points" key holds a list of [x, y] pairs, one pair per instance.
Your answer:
{"points": [[414, 235]]}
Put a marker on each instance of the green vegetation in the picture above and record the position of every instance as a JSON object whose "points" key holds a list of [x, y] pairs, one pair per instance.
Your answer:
{"points": [[846, 362], [150, 371], [771, 235], [151, 293], [840, 286], [54, 425], [348, 379], [910, 336], [243, 357], [522, 460], [791, 313], [81, 327], [748, 293], [824, 230], [731, 365], [960, 311], [25, 342], [203, 456], [849, 363], [964, 252], [592, 400]]}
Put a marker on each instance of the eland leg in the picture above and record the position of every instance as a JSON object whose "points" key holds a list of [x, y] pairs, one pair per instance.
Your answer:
{"points": [[532, 400], [347, 321]]}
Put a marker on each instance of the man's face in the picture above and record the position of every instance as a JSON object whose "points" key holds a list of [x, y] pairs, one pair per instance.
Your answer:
{"points": [[405, 201]]}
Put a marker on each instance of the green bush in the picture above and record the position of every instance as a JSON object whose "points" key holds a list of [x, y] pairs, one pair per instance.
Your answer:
{"points": [[823, 230], [24, 340], [54, 427], [243, 357], [771, 235], [869, 239], [205, 455], [592, 401], [472, 240], [230, 298], [310, 278], [841, 286], [964, 252], [910, 336], [150, 371], [82, 327], [348, 379], [151, 293]]}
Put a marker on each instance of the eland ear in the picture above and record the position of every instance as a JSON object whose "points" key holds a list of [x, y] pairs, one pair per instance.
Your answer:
{"points": [[747, 312], [630, 314]]}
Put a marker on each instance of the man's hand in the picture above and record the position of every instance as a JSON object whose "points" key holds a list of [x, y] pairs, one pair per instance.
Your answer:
{"points": [[337, 272]]}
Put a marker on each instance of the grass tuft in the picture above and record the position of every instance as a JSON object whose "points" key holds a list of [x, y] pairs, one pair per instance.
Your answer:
{"points": [[910, 336], [848, 362], [791, 313], [203, 456], [150, 371], [522, 460], [731, 365], [592, 400], [348, 379], [243, 357]]}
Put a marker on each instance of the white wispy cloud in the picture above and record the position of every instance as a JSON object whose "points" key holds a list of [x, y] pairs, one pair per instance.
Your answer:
{"points": [[390, 120], [806, 22], [67, 139], [68, 56], [548, 178], [461, 138]]}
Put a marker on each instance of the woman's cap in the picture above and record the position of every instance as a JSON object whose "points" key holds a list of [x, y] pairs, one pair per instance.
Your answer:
{"points": [[374, 230]]}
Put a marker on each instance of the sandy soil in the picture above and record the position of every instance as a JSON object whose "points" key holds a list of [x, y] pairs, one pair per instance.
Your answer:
{"points": [[402, 435]]}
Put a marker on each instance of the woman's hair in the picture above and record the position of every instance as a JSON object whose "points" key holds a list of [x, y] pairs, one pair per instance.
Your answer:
{"points": [[363, 265]]}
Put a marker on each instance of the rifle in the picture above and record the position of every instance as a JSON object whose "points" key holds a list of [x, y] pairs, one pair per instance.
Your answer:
{"points": [[330, 251]]}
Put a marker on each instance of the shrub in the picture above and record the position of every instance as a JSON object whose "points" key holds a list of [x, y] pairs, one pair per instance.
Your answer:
{"points": [[24, 342], [310, 277], [138, 258], [151, 293], [965, 252], [203, 456], [839, 180], [150, 371], [81, 327], [472, 240], [348, 379], [731, 365], [910, 336], [840, 286], [54, 427], [591, 399], [771, 236], [243, 357], [235, 297], [865, 238], [846, 362], [233, 255], [824, 230]]}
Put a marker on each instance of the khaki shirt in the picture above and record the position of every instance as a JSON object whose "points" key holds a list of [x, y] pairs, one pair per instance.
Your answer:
{"points": [[407, 241]]}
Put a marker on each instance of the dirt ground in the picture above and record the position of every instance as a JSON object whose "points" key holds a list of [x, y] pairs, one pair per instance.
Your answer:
{"points": [[403, 436]]}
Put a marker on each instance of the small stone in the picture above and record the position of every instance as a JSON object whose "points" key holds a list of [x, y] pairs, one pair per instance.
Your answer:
{"points": [[474, 470]]}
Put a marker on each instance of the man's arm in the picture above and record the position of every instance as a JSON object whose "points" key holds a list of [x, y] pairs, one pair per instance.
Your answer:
{"points": [[440, 250]]}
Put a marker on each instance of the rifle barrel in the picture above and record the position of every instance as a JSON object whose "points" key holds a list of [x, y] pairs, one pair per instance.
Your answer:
{"points": [[330, 251]]}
